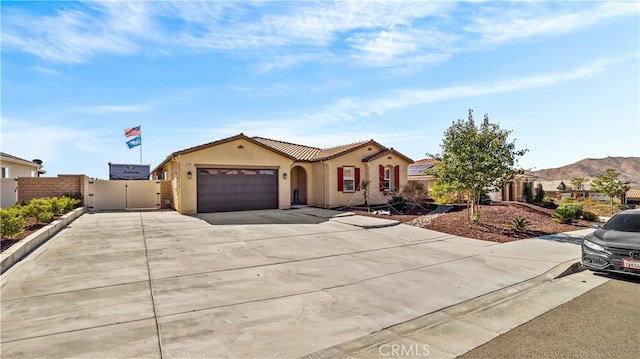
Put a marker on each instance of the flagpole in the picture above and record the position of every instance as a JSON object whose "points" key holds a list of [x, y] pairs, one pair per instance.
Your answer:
{"points": [[140, 144]]}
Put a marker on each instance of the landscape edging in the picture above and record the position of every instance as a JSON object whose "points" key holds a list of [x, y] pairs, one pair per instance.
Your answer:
{"points": [[20, 250]]}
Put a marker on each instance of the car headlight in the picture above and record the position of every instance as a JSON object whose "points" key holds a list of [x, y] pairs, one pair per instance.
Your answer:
{"points": [[594, 246]]}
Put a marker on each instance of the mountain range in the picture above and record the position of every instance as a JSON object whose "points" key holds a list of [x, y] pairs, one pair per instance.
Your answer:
{"points": [[627, 167]]}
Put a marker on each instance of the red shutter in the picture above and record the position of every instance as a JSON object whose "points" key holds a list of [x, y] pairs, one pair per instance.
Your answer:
{"points": [[340, 179], [357, 178], [396, 178], [381, 180]]}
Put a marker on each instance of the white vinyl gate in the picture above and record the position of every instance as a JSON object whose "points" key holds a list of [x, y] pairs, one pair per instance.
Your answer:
{"points": [[123, 195]]}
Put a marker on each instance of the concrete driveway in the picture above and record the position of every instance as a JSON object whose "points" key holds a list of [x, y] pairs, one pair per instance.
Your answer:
{"points": [[279, 284]]}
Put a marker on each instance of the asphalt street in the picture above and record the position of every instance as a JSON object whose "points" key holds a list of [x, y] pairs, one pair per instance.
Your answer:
{"points": [[602, 323]]}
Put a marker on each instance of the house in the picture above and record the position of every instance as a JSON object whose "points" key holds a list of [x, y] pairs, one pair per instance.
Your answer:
{"points": [[633, 197], [12, 168], [245, 173], [512, 191], [561, 189]]}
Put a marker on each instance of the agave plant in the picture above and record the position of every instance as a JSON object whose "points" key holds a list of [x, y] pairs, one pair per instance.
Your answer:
{"points": [[519, 223]]}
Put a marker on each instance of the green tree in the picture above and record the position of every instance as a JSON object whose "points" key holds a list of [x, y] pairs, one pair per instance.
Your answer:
{"points": [[577, 183], [609, 183], [476, 159]]}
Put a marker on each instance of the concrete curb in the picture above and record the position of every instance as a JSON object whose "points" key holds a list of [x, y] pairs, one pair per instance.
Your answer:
{"points": [[20, 250]]}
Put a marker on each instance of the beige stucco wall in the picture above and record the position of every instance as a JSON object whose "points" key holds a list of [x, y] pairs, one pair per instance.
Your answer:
{"points": [[368, 171], [237, 153], [19, 169]]}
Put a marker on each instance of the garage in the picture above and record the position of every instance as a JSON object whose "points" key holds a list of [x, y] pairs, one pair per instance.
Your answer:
{"points": [[230, 189]]}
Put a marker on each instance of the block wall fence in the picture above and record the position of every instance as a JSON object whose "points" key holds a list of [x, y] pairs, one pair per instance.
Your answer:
{"points": [[38, 187]]}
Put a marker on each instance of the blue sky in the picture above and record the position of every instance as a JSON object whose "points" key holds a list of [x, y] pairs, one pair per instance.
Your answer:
{"points": [[562, 76]]}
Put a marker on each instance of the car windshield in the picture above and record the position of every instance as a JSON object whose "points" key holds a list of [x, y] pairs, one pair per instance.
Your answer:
{"points": [[624, 222]]}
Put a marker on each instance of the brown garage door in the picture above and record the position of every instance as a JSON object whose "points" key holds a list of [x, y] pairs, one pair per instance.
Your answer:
{"points": [[224, 189]]}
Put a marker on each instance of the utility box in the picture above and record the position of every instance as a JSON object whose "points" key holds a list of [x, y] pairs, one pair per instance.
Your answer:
{"points": [[118, 171]]}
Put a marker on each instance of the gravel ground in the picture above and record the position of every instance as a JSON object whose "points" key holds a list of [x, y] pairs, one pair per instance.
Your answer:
{"points": [[424, 221], [493, 224]]}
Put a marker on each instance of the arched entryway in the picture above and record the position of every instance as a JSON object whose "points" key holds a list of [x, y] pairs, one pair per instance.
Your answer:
{"points": [[298, 185]]}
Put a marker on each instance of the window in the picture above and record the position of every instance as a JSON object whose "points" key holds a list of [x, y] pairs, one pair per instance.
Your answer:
{"points": [[387, 179], [387, 182], [5, 172], [348, 179]]}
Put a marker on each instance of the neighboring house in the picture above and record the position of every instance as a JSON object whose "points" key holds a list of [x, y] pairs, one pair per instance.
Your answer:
{"points": [[12, 168], [243, 173], [512, 191], [417, 171], [633, 197], [559, 189]]}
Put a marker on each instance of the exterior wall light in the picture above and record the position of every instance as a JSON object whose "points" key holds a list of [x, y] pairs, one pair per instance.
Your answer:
{"points": [[189, 175], [284, 175]]}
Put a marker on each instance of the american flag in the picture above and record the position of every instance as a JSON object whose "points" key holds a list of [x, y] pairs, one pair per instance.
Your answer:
{"points": [[133, 131]]}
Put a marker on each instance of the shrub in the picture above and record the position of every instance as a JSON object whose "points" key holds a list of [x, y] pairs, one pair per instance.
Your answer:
{"points": [[590, 216], [442, 193], [484, 197], [539, 197], [414, 190], [622, 207], [547, 202], [519, 223], [567, 213], [78, 199], [527, 192], [58, 205], [11, 222], [40, 209], [70, 202], [398, 203]]}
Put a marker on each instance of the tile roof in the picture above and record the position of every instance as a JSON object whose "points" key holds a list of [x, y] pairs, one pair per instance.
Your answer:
{"points": [[294, 151], [328, 153], [307, 153], [299, 152], [634, 193], [385, 152], [425, 161]]}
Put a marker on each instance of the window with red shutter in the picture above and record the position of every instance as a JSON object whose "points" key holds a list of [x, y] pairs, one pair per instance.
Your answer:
{"points": [[346, 178], [396, 178]]}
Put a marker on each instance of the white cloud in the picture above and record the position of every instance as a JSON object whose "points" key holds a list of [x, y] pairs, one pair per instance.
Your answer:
{"points": [[395, 47], [78, 34], [277, 35], [356, 109], [508, 26]]}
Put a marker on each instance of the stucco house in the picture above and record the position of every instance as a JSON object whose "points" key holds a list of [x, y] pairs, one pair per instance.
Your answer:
{"points": [[511, 191], [561, 189], [244, 173], [12, 168]]}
